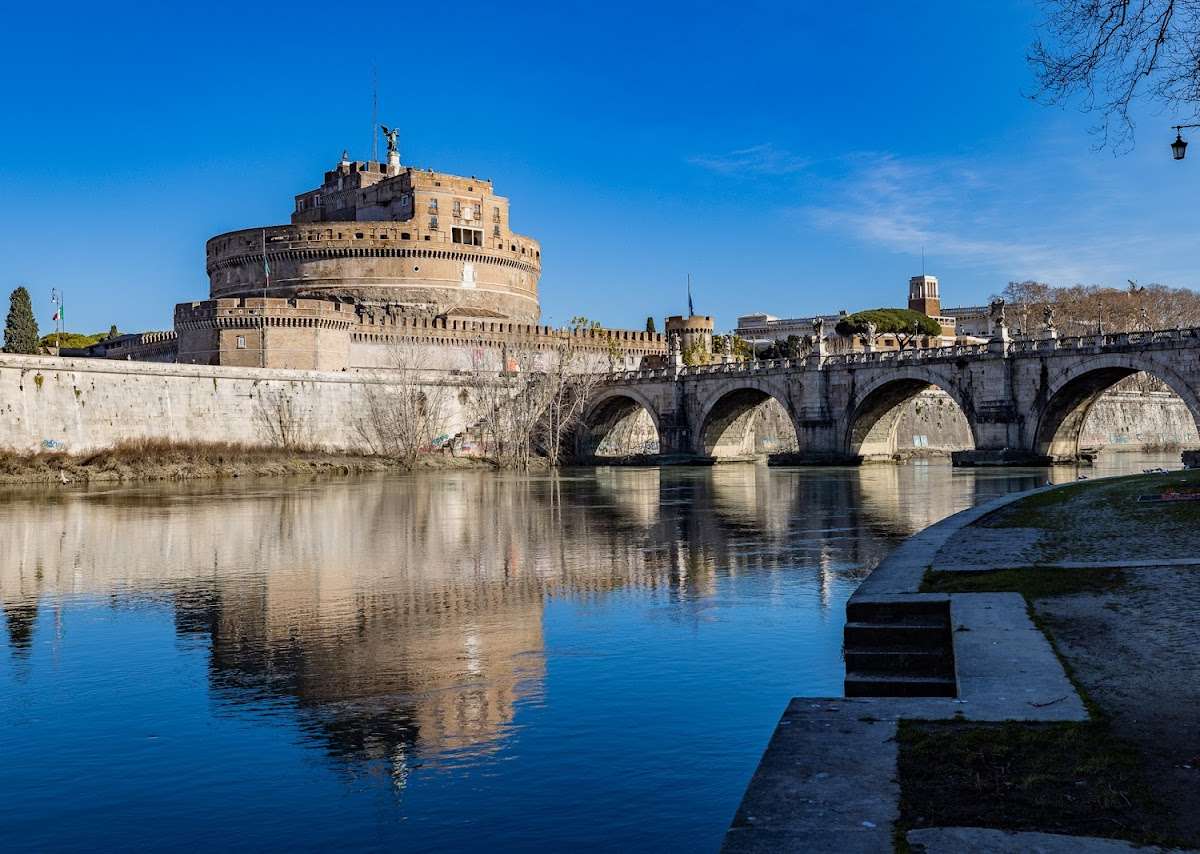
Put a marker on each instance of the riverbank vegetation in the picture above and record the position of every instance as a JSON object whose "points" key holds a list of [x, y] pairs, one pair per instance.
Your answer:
{"points": [[1031, 582], [145, 460]]}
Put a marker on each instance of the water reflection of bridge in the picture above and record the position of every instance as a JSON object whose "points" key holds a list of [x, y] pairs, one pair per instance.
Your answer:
{"points": [[406, 614]]}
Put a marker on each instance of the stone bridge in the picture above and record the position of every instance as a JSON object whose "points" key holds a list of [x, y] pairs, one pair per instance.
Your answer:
{"points": [[1024, 400]]}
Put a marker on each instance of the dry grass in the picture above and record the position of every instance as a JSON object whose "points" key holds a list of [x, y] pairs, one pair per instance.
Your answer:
{"points": [[157, 459], [1075, 778]]}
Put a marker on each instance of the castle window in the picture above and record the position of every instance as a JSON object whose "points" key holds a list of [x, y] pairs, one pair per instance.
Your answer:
{"points": [[495, 231], [317, 200], [467, 236], [433, 224], [358, 235], [404, 235], [241, 342], [495, 214], [457, 208]]}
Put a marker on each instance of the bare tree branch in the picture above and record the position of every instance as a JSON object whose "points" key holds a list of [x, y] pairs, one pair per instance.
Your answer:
{"points": [[1110, 53]]}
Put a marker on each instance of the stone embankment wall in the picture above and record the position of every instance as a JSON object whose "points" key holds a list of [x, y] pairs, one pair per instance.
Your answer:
{"points": [[81, 405]]}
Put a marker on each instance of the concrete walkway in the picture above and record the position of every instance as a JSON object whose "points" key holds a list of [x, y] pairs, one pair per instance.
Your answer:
{"points": [[981, 840], [827, 781]]}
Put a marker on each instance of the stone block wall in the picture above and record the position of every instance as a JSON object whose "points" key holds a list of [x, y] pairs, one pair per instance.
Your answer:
{"points": [[82, 405]]}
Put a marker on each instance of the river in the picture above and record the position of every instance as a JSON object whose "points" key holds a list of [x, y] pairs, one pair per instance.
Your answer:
{"points": [[467, 660]]}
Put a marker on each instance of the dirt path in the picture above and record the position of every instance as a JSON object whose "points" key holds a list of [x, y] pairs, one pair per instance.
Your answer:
{"points": [[1135, 651]]}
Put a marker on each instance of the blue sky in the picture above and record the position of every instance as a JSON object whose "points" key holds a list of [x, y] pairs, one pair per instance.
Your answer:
{"points": [[792, 157]]}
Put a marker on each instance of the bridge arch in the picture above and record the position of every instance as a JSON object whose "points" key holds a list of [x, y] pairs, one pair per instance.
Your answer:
{"points": [[1071, 394], [877, 409], [748, 420], [619, 422]]}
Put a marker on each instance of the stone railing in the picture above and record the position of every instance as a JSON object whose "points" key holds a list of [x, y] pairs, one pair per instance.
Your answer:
{"points": [[916, 355]]}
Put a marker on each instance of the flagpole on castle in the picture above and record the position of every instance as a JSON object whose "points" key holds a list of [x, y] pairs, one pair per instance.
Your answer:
{"points": [[57, 301]]}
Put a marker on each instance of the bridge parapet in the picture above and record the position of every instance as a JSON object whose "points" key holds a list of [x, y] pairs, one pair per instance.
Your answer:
{"points": [[1113, 340]]}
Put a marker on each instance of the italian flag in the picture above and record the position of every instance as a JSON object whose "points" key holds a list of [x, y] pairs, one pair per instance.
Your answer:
{"points": [[58, 314]]}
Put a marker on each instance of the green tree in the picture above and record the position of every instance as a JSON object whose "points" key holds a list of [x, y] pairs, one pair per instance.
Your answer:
{"points": [[904, 323], [112, 331], [20, 329], [650, 327]]}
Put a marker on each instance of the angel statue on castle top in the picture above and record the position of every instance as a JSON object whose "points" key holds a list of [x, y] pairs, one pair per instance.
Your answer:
{"points": [[391, 135]]}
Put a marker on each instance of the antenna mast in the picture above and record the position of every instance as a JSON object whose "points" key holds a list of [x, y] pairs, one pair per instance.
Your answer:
{"points": [[375, 113]]}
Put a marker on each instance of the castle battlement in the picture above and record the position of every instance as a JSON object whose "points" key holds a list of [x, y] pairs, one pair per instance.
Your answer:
{"points": [[250, 312]]}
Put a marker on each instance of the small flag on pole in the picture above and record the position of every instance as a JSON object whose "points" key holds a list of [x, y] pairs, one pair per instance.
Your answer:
{"points": [[691, 308]]}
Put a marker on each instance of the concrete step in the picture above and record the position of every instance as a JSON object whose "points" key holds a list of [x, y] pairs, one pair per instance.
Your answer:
{"points": [[916, 632], [910, 661], [898, 608], [875, 684]]}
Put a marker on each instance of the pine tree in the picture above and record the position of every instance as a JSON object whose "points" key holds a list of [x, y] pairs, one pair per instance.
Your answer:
{"points": [[20, 329], [650, 325], [112, 331]]}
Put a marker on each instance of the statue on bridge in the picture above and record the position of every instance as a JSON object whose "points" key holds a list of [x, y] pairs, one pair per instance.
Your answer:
{"points": [[996, 313], [1048, 318], [868, 338]]}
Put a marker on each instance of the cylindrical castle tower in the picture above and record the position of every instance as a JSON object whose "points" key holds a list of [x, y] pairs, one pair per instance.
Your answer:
{"points": [[380, 234]]}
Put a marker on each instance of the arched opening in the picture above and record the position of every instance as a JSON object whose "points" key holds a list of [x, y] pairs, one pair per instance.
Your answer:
{"points": [[907, 418], [1115, 408], [619, 427], [747, 424]]}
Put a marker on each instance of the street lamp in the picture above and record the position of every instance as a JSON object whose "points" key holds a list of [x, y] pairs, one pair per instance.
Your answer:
{"points": [[1179, 146]]}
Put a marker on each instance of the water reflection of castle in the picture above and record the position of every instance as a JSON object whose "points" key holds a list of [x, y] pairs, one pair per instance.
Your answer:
{"points": [[406, 614]]}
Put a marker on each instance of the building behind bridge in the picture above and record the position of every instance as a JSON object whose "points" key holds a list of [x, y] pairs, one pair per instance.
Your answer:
{"points": [[966, 325]]}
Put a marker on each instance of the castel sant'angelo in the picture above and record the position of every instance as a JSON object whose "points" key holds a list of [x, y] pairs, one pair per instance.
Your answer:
{"points": [[379, 253]]}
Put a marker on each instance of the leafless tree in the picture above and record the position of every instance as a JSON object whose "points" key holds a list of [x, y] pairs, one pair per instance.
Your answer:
{"points": [[1084, 309], [568, 384], [402, 416], [1109, 52], [280, 420], [533, 402]]}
